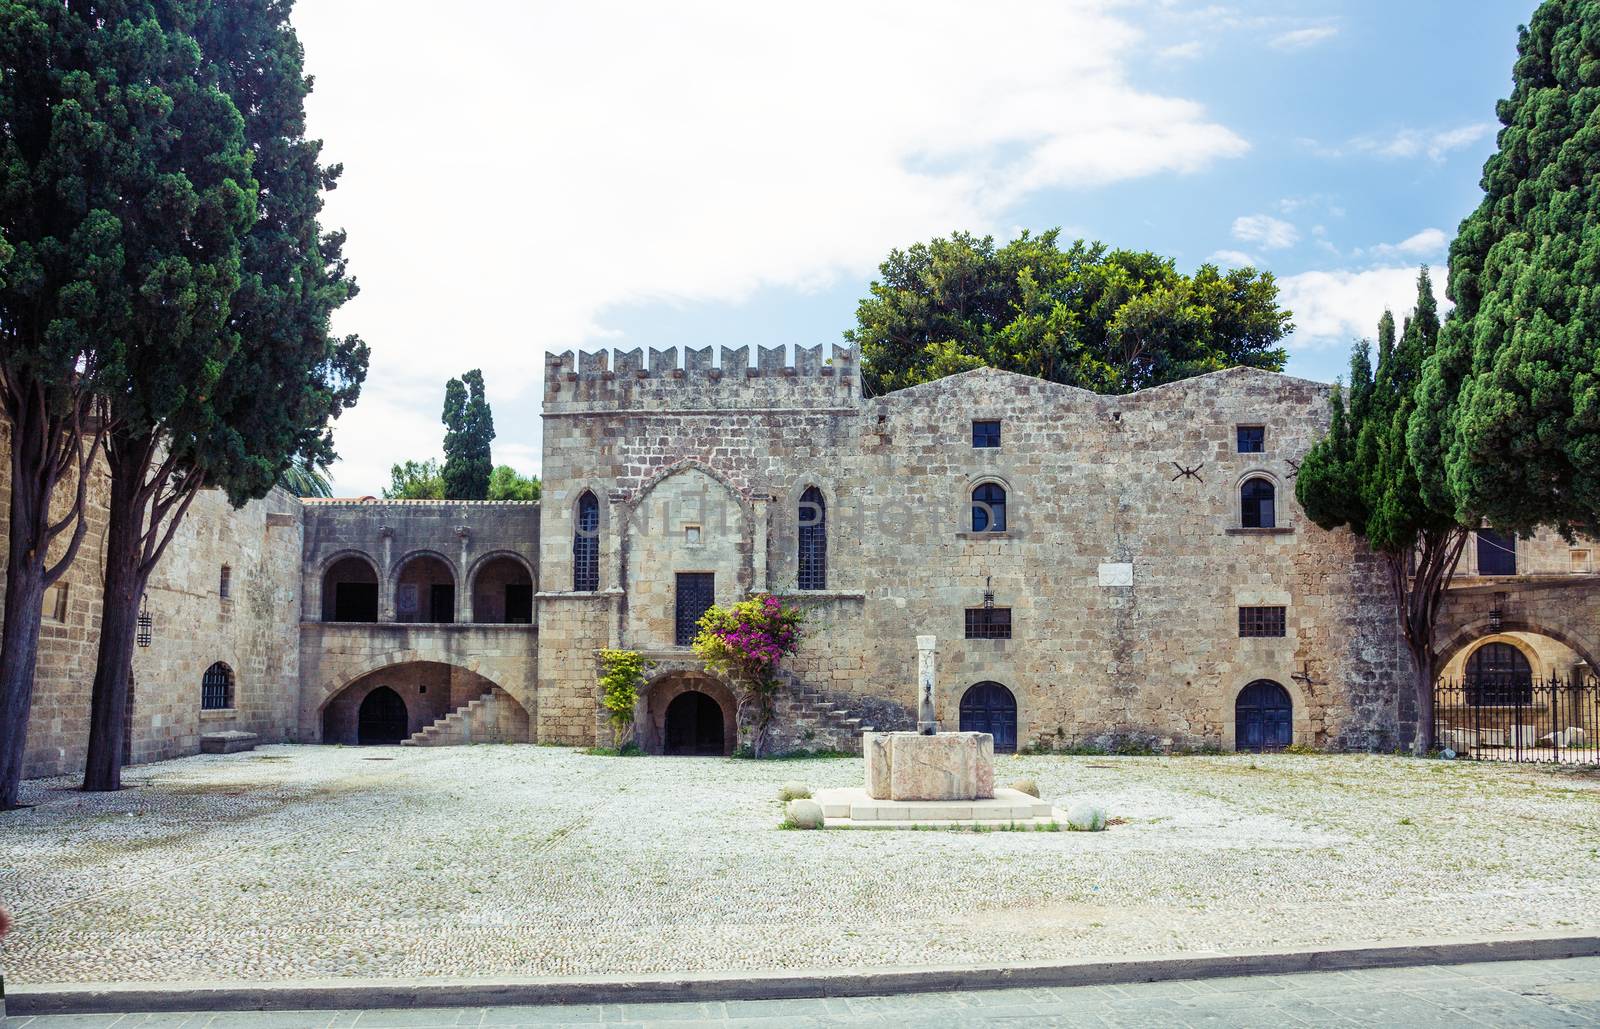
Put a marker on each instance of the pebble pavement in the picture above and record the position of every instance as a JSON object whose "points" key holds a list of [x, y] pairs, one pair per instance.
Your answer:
{"points": [[295, 862]]}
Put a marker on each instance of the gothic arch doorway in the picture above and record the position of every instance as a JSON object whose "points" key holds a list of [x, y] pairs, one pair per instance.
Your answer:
{"points": [[383, 718], [1263, 717], [694, 725]]}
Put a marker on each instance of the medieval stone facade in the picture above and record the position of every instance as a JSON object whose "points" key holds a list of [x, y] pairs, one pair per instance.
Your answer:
{"points": [[1098, 569]]}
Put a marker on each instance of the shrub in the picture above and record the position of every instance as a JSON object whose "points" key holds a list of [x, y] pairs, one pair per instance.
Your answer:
{"points": [[621, 676], [745, 643]]}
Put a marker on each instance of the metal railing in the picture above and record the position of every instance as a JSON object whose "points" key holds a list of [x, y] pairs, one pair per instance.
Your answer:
{"points": [[1518, 718]]}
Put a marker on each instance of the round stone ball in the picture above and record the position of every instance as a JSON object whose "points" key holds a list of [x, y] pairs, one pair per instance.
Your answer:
{"points": [[1086, 816], [794, 791], [804, 814], [1027, 786]]}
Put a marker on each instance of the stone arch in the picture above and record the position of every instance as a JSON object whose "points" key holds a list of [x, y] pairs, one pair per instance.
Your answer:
{"points": [[494, 605], [969, 497], [650, 717], [1474, 632], [1302, 724], [348, 568], [1280, 510], [687, 465], [430, 689], [433, 596]]}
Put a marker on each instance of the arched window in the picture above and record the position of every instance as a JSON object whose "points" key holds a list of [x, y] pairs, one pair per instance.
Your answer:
{"points": [[813, 540], [586, 545], [1258, 506], [1498, 674], [216, 688], [989, 508]]}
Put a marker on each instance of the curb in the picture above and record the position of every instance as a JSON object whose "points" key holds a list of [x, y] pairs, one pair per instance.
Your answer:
{"points": [[352, 994]]}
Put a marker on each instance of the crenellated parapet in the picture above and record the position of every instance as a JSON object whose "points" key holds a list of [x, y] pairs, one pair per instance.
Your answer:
{"points": [[691, 380]]}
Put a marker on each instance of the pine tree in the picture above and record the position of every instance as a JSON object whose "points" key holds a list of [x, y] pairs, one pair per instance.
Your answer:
{"points": [[469, 429], [1511, 403]]}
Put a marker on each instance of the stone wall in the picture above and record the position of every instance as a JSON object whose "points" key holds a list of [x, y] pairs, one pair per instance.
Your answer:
{"points": [[194, 626]]}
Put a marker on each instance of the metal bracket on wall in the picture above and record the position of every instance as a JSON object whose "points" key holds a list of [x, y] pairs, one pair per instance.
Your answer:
{"points": [[1304, 676], [1294, 468], [1188, 473]]}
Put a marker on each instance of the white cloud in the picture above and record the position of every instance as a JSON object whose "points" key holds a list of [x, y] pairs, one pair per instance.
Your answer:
{"points": [[1182, 51], [515, 170], [1335, 308], [1271, 233], [1406, 143], [1301, 39], [1233, 259], [1427, 243]]}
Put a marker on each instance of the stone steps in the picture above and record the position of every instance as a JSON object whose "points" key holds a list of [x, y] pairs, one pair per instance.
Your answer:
{"points": [[492, 718], [831, 725]]}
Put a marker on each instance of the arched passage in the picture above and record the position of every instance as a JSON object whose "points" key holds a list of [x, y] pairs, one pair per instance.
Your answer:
{"points": [[350, 590], [428, 691], [1263, 715], [990, 707], [382, 717], [425, 590], [674, 725], [502, 591]]}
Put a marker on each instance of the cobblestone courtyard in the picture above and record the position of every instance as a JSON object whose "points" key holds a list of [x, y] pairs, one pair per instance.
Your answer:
{"points": [[301, 862]]}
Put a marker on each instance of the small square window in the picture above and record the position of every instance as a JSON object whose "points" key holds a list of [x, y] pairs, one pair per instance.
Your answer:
{"points": [[986, 435], [1261, 621], [988, 623], [691, 535], [1580, 560], [1252, 439]]}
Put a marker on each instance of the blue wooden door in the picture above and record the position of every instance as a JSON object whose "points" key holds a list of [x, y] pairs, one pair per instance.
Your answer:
{"points": [[1263, 717], [989, 707]]}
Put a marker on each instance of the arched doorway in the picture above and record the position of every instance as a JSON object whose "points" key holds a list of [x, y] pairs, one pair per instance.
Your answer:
{"points": [[383, 718], [1498, 674], [1263, 717], [694, 725], [989, 707]]}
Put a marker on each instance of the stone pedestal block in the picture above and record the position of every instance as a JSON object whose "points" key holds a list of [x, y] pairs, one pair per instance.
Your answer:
{"points": [[946, 766]]}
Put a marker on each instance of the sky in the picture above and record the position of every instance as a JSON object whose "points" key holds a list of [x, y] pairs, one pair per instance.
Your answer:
{"points": [[523, 176]]}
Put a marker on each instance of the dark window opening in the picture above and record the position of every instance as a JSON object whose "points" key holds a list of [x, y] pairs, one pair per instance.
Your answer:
{"points": [[813, 540], [986, 434], [382, 718], [586, 545], [1258, 504], [1498, 675], [216, 688], [225, 583], [989, 508], [442, 602], [355, 602], [988, 623], [519, 603], [696, 594], [1261, 621], [1252, 439], [1497, 553]]}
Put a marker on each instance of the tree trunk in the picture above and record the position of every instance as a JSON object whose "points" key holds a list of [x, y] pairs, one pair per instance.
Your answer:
{"points": [[19, 636], [1423, 674], [119, 614]]}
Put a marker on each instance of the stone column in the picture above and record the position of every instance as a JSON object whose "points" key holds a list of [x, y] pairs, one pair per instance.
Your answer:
{"points": [[927, 662], [385, 580], [464, 587], [760, 506]]}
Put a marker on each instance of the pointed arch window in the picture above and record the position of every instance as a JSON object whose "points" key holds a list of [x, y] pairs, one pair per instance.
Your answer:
{"points": [[586, 545], [989, 508], [813, 521]]}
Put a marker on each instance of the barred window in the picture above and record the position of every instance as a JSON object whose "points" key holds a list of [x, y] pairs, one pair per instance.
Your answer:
{"points": [[225, 581], [216, 688], [1497, 553], [988, 623], [1498, 675], [813, 540], [1261, 621], [1258, 504], [986, 434], [1252, 439], [989, 508], [586, 545]]}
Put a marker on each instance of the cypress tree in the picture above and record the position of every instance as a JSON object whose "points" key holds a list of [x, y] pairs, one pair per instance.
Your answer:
{"points": [[469, 429]]}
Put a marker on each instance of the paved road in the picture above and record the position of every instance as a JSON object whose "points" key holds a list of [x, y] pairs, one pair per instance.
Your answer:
{"points": [[1501, 994]]}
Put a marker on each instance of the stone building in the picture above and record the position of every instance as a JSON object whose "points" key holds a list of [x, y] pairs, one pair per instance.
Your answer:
{"points": [[1098, 569]]}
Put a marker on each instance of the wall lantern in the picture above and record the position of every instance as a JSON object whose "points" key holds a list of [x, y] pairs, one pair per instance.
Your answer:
{"points": [[143, 636], [1495, 616], [988, 594]]}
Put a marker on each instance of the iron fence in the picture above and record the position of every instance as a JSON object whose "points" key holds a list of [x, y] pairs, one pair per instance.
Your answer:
{"points": [[1517, 718]]}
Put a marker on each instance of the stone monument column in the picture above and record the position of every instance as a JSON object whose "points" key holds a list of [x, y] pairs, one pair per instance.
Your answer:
{"points": [[927, 662]]}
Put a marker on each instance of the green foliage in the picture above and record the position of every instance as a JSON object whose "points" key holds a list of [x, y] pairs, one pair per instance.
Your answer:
{"points": [[1511, 410], [1107, 320], [745, 644], [415, 480], [621, 678], [506, 484], [626, 750], [469, 429]]}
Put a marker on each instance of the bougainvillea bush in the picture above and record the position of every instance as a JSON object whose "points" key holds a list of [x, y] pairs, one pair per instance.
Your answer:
{"points": [[745, 644]]}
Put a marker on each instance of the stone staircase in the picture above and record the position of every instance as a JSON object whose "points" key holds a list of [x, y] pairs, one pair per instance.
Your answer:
{"points": [[491, 718], [812, 719]]}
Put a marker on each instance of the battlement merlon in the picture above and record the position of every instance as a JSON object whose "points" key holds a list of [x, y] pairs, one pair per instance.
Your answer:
{"points": [[606, 380]]}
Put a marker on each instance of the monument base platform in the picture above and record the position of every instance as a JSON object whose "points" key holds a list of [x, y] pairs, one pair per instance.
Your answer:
{"points": [[854, 808]]}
